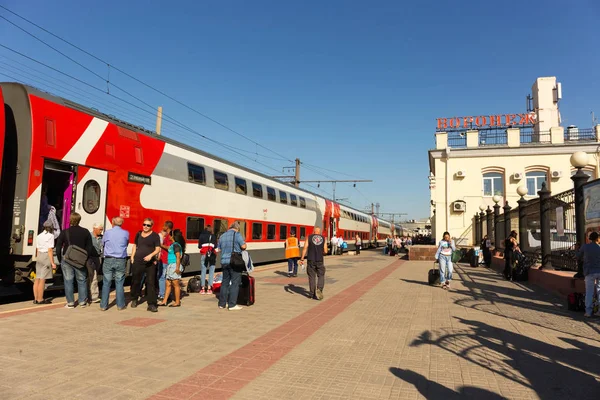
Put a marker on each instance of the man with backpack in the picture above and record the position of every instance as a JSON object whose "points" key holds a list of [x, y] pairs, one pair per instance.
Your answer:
{"points": [[315, 246]]}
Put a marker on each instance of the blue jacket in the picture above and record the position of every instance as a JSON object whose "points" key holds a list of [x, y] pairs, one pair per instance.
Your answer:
{"points": [[590, 254]]}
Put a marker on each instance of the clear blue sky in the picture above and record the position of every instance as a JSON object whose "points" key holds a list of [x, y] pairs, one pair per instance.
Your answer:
{"points": [[351, 86]]}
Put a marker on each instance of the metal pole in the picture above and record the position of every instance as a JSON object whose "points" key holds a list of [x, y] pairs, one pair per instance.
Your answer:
{"points": [[297, 173], [523, 223], [497, 238], [545, 227], [158, 120], [507, 226]]}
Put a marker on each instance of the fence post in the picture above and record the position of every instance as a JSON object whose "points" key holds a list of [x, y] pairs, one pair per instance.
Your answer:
{"points": [[490, 227], [497, 238], [523, 239], [476, 229], [545, 227], [506, 209], [481, 219]]}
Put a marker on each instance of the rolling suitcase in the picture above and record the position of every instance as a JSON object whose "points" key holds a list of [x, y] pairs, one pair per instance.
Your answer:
{"points": [[246, 294], [433, 277]]}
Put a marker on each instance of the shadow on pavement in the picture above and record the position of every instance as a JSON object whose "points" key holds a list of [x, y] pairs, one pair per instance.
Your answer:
{"points": [[551, 371], [291, 288], [433, 390]]}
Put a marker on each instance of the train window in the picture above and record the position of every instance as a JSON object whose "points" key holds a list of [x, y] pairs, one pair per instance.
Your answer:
{"points": [[302, 233], [293, 200], [270, 232], [196, 174], [257, 190], [194, 226], [302, 202], [139, 155], [256, 231], [50, 133], [240, 186], [293, 230], [282, 232], [282, 197], [91, 196], [221, 180], [271, 194], [242, 228], [219, 227]]}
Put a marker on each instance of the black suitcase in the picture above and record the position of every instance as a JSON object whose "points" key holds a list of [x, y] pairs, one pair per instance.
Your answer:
{"points": [[246, 295], [194, 285], [433, 277]]}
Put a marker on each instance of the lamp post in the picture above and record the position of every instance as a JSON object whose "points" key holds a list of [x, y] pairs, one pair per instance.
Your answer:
{"points": [[497, 238], [522, 191], [481, 219], [579, 160]]}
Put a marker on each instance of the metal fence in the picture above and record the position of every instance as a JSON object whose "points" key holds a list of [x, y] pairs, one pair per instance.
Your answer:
{"points": [[529, 136], [563, 236], [531, 243], [457, 139], [493, 138], [500, 230], [577, 134]]}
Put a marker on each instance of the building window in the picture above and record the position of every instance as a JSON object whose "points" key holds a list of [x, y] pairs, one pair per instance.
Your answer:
{"points": [[196, 174], [302, 202], [302, 233], [535, 180], [221, 180], [256, 231], [271, 232], [293, 200], [493, 184], [91, 196], [257, 190], [271, 194], [194, 226], [282, 197], [282, 232], [240, 186], [588, 172], [219, 227]]}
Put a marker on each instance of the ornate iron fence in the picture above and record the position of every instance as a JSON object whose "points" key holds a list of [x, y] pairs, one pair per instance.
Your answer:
{"points": [[457, 139], [500, 230], [529, 136], [563, 237], [530, 244]]}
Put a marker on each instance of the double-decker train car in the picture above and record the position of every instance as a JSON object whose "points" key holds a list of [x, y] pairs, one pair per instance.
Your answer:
{"points": [[58, 153]]}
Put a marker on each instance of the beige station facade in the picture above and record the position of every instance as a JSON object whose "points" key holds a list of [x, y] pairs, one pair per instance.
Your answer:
{"points": [[469, 166]]}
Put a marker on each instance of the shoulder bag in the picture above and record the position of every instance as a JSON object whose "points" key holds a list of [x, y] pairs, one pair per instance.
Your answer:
{"points": [[75, 255], [236, 261]]}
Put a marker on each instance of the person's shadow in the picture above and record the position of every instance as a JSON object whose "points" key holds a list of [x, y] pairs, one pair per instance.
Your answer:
{"points": [[293, 289], [433, 390]]}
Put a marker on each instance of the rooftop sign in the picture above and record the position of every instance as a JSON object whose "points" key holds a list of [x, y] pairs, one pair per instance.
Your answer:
{"points": [[486, 121]]}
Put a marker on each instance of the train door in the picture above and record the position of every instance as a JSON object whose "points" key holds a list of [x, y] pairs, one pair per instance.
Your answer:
{"points": [[58, 183], [90, 196]]}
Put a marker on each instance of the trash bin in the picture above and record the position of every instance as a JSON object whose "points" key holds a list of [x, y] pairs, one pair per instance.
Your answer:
{"points": [[475, 258]]}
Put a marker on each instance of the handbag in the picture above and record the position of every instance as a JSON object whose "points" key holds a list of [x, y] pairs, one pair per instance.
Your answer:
{"points": [[75, 255], [236, 261]]}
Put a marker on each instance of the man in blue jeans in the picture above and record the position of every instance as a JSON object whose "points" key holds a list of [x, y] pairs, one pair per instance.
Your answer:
{"points": [[115, 242], [229, 242]]}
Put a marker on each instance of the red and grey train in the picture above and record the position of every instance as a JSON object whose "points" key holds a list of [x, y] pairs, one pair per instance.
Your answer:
{"points": [[80, 160]]}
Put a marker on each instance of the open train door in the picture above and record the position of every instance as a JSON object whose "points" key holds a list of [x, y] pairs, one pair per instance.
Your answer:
{"points": [[2, 134], [90, 196]]}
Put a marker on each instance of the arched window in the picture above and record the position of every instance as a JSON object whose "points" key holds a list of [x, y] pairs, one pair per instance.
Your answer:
{"points": [[91, 196], [493, 184], [588, 171], [534, 180]]}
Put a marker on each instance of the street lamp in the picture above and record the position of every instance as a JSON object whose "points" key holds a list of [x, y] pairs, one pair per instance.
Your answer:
{"points": [[497, 239], [522, 191], [579, 160]]}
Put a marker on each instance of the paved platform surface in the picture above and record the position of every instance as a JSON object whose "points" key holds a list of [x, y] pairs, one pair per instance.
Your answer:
{"points": [[380, 333]]}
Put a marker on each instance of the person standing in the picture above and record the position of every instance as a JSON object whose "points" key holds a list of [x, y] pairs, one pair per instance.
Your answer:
{"points": [[95, 263], [173, 269], [143, 260], [589, 253], [80, 237], [486, 247], [44, 265], [444, 256], [166, 240], [114, 242], [334, 244], [511, 250], [207, 243], [315, 247], [358, 244], [292, 254], [230, 242]]}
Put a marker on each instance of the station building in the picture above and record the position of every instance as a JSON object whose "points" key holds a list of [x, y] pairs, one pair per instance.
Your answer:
{"points": [[478, 160]]}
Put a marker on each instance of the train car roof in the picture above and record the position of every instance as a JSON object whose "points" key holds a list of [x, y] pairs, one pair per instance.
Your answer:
{"points": [[138, 129]]}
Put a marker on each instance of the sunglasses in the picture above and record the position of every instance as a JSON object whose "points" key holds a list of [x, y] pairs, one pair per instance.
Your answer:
{"points": [[148, 225]]}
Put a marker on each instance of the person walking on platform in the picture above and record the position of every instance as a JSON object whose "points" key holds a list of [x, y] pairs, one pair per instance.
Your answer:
{"points": [[146, 247], [94, 264], [230, 242], [444, 256], [114, 242], [315, 247], [334, 245], [590, 254], [292, 254], [358, 244]]}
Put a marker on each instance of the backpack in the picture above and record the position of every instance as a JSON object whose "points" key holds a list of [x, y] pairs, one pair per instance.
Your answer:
{"points": [[194, 285], [185, 258], [575, 302]]}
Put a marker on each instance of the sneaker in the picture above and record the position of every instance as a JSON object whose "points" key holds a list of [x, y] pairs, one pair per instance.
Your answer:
{"points": [[152, 308], [319, 294], [209, 291], [587, 315], [236, 308], [83, 305], [290, 275], [103, 309], [122, 308], [96, 301], [134, 303], [222, 308], [202, 291], [70, 305]]}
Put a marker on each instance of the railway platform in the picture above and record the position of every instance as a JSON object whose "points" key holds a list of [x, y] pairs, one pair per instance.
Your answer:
{"points": [[381, 332]]}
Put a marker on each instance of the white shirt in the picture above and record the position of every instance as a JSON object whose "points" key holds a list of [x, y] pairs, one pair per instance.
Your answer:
{"points": [[45, 241], [334, 241]]}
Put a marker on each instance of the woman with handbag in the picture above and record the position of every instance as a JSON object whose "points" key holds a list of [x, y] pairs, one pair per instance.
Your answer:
{"points": [[73, 247], [231, 244]]}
